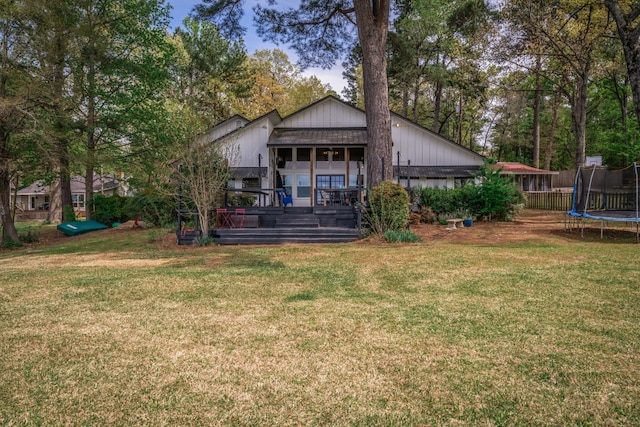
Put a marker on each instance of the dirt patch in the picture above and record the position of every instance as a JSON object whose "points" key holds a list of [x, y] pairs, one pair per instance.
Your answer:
{"points": [[531, 225]]}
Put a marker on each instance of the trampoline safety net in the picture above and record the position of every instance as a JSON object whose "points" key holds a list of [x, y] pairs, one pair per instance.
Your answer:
{"points": [[611, 194], [606, 195]]}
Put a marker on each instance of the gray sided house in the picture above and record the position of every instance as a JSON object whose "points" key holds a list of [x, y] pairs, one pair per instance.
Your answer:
{"points": [[320, 151], [32, 202]]}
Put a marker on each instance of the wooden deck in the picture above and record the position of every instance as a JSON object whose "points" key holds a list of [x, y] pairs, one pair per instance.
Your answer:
{"points": [[279, 225]]}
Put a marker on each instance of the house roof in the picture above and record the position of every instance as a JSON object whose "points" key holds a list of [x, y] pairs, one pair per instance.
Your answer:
{"points": [[515, 168], [104, 182], [36, 188], [315, 136], [249, 172], [438, 171]]}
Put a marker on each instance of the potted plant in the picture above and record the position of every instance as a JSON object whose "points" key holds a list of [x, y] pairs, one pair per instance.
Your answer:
{"points": [[467, 220]]}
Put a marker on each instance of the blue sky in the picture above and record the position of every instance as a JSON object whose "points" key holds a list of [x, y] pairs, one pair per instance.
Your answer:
{"points": [[181, 8]]}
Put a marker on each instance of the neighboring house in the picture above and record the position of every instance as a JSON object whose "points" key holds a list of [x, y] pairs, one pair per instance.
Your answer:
{"points": [[37, 197], [324, 146], [528, 178]]}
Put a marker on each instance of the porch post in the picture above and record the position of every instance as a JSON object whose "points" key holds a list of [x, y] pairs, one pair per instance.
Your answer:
{"points": [[312, 180]]}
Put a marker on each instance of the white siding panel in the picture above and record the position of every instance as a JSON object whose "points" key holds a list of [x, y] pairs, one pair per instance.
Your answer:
{"points": [[327, 114], [424, 148], [251, 141], [222, 129]]}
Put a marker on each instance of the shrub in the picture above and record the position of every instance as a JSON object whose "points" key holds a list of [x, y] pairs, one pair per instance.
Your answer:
{"points": [[241, 199], [9, 243], [153, 209], [427, 216], [496, 198], [29, 236], [388, 208], [110, 209], [400, 236], [68, 213], [205, 240]]}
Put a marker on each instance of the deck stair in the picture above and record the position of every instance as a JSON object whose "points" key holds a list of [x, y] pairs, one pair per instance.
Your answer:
{"points": [[277, 225], [297, 221], [271, 236]]}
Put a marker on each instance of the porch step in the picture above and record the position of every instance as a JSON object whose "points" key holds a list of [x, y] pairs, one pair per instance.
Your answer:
{"points": [[297, 221], [188, 237], [276, 236]]}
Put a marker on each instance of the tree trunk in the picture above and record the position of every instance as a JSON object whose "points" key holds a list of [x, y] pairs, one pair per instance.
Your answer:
{"points": [[9, 232], [405, 101], [536, 116], [66, 198], [579, 116], [416, 97], [62, 158], [552, 132], [629, 37], [373, 23], [437, 106], [55, 202], [91, 133]]}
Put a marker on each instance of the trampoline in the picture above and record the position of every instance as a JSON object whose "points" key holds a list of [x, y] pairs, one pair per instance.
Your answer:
{"points": [[605, 195]]}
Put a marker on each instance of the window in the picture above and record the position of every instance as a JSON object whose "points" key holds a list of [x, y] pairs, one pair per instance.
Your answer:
{"points": [[338, 155], [303, 154], [322, 154], [356, 155], [327, 181], [250, 182], [303, 185], [78, 201], [287, 183], [285, 155]]}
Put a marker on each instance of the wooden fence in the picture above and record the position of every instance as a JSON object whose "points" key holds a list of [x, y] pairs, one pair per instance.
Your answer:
{"points": [[561, 201], [548, 200]]}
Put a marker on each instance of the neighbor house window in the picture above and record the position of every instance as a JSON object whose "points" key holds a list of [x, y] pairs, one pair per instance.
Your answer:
{"points": [[78, 201]]}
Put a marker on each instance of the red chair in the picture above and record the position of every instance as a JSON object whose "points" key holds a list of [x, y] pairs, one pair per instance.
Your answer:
{"points": [[223, 218], [239, 217]]}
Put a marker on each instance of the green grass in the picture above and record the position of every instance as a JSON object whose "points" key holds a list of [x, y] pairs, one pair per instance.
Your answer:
{"points": [[113, 329]]}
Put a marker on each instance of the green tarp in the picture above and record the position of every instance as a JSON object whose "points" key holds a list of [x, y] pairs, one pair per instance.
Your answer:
{"points": [[74, 228]]}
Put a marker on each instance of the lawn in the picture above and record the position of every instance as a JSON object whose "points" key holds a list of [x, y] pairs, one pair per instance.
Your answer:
{"points": [[122, 328]]}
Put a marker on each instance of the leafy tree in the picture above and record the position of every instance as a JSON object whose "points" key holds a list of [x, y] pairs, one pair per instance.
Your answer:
{"points": [[434, 54], [211, 76], [49, 26], [279, 84], [204, 171], [352, 74], [626, 16], [320, 32], [13, 107], [573, 30], [119, 71]]}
